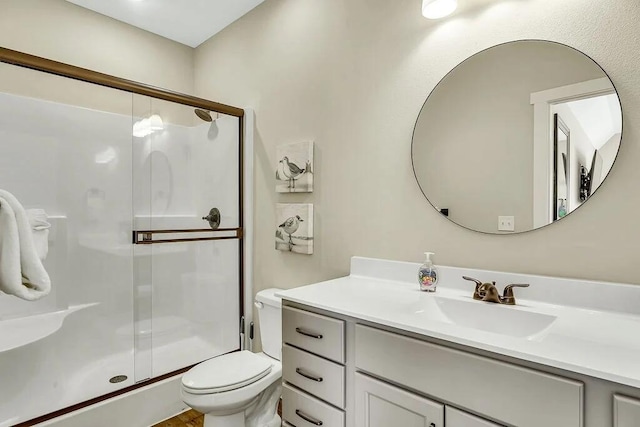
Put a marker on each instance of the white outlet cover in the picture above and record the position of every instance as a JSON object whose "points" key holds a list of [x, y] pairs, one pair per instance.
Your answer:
{"points": [[506, 223]]}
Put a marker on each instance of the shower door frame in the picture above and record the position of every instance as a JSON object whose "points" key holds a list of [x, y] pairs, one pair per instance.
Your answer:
{"points": [[61, 69]]}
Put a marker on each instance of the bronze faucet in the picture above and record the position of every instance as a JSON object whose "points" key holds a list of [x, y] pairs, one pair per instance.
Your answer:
{"points": [[489, 293]]}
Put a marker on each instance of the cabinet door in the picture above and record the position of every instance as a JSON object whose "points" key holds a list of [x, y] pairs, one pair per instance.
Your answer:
{"points": [[456, 418], [626, 412], [381, 405]]}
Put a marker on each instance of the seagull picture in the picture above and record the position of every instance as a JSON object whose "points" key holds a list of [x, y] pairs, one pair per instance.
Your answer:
{"points": [[280, 172], [292, 232], [290, 226], [291, 171], [294, 168]]}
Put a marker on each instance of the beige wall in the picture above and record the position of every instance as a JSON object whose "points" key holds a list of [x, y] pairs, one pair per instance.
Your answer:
{"points": [[352, 76], [64, 32]]}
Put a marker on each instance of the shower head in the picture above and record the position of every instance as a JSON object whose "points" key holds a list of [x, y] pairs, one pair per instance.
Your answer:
{"points": [[207, 117], [204, 115]]}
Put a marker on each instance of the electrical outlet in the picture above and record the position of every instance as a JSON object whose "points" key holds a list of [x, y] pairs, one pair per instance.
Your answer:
{"points": [[506, 223]]}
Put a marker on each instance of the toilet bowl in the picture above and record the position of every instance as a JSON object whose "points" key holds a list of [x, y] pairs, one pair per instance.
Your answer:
{"points": [[241, 389]]}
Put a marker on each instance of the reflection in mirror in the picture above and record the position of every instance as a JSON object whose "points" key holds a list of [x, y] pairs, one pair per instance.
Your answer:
{"points": [[527, 129], [560, 172]]}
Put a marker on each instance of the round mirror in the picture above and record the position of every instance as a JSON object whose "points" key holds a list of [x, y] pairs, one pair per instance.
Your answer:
{"points": [[517, 136]]}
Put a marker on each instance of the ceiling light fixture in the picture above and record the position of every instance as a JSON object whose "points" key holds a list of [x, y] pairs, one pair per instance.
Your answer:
{"points": [[436, 9]]}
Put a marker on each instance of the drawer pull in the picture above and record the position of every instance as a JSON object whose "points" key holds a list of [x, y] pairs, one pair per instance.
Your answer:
{"points": [[308, 334], [307, 418], [308, 376]]}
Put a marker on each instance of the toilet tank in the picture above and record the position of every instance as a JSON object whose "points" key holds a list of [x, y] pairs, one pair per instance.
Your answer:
{"points": [[270, 316]]}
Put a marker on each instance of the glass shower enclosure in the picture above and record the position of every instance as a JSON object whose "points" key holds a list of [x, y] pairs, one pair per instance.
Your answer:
{"points": [[143, 191]]}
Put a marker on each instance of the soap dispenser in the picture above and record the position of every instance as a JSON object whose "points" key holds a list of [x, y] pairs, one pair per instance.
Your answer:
{"points": [[562, 209], [427, 274]]}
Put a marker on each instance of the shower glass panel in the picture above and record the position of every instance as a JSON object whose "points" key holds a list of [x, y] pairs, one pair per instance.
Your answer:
{"points": [[65, 147], [142, 286], [187, 289]]}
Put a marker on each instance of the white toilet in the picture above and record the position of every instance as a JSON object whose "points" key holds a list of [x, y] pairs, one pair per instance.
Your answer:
{"points": [[242, 389]]}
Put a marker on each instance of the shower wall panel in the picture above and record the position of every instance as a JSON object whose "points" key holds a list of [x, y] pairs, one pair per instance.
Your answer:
{"points": [[75, 163]]}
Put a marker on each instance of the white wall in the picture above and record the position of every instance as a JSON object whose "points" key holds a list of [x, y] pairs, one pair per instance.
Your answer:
{"points": [[353, 75], [609, 151], [581, 153]]}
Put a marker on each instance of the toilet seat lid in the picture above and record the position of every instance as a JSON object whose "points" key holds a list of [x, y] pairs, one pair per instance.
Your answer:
{"points": [[224, 373]]}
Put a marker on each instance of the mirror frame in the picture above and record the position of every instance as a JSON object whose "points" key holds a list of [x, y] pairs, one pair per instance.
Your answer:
{"points": [[444, 212]]}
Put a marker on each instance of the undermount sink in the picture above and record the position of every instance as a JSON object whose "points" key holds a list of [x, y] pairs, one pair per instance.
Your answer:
{"points": [[490, 317]]}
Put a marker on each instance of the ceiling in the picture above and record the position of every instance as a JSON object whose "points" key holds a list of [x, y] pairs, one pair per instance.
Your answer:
{"points": [[189, 22]]}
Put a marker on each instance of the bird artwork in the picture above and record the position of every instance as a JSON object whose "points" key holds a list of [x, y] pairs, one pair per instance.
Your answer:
{"points": [[294, 169], [294, 228], [280, 172], [290, 226], [291, 171]]}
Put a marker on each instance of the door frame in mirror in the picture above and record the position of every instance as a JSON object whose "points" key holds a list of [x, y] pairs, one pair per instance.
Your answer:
{"points": [[543, 137], [560, 126]]}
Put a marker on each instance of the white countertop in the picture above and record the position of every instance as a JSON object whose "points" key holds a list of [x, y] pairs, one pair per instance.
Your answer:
{"points": [[599, 343]]}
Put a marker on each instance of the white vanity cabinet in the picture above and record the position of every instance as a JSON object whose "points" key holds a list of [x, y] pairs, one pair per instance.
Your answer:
{"points": [[512, 394], [379, 404], [313, 371], [390, 355], [626, 411]]}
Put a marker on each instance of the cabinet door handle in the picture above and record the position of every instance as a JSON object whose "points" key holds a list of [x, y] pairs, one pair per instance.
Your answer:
{"points": [[432, 425], [308, 334], [308, 419], [308, 376]]}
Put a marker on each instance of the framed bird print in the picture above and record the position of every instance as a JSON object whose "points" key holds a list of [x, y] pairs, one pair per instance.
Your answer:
{"points": [[294, 228], [294, 171]]}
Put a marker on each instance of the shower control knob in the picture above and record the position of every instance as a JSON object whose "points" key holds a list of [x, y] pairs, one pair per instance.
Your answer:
{"points": [[213, 218]]}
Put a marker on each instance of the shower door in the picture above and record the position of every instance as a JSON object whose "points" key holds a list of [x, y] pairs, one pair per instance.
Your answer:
{"points": [[186, 163], [141, 285]]}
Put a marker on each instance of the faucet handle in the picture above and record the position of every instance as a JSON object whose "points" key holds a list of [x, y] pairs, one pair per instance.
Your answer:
{"points": [[507, 296], [476, 293]]}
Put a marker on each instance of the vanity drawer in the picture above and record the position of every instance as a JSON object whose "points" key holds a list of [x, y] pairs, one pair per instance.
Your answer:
{"points": [[327, 378], [456, 418], [626, 411], [318, 334], [302, 410], [511, 394]]}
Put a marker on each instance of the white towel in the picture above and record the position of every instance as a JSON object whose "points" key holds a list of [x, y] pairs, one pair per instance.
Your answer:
{"points": [[40, 229], [21, 271]]}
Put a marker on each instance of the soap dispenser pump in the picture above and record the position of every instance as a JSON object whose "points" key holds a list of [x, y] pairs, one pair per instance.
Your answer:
{"points": [[427, 274]]}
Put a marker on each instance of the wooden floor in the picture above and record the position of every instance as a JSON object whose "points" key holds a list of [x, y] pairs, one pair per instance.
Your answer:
{"points": [[190, 418], [193, 418]]}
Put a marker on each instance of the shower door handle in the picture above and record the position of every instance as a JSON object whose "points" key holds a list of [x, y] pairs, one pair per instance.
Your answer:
{"points": [[213, 218]]}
